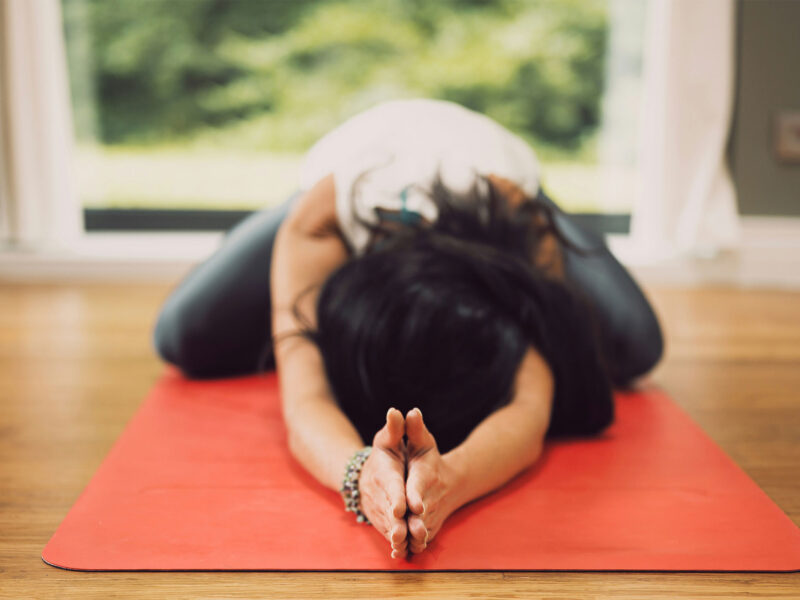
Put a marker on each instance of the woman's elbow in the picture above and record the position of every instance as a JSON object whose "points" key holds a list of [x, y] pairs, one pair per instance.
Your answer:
{"points": [[534, 451]]}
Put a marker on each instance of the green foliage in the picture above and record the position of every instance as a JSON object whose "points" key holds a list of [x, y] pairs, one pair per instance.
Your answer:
{"points": [[275, 75]]}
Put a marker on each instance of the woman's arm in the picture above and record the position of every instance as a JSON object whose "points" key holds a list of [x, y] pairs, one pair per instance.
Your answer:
{"points": [[320, 436], [308, 248], [505, 443]]}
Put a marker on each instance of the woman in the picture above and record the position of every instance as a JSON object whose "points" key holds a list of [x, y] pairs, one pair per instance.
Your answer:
{"points": [[420, 270]]}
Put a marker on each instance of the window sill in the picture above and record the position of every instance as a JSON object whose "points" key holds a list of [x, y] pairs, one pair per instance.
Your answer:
{"points": [[769, 256], [111, 257]]}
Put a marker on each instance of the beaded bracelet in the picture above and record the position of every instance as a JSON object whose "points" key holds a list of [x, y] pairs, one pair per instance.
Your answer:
{"points": [[350, 494]]}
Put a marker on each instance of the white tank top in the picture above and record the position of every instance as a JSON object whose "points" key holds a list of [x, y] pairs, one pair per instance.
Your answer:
{"points": [[398, 146]]}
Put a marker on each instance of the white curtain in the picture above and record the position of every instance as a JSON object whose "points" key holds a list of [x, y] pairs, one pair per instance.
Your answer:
{"points": [[38, 206], [686, 205]]}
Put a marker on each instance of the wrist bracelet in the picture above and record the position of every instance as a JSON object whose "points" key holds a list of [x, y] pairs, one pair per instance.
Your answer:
{"points": [[350, 493]]}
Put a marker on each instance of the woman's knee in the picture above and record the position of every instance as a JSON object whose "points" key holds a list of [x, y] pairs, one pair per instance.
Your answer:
{"points": [[629, 328], [640, 349], [215, 323], [169, 335], [178, 341]]}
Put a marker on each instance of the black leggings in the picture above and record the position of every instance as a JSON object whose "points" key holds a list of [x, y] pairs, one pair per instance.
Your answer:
{"points": [[217, 323]]}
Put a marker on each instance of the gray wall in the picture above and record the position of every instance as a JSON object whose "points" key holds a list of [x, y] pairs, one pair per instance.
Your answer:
{"points": [[768, 80]]}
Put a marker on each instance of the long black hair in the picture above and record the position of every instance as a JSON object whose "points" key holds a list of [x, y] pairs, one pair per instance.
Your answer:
{"points": [[439, 315]]}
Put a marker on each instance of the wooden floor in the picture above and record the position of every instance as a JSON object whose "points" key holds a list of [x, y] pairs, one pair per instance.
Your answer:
{"points": [[75, 361]]}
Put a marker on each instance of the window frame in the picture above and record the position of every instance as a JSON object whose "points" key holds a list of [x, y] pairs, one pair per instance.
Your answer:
{"points": [[156, 219]]}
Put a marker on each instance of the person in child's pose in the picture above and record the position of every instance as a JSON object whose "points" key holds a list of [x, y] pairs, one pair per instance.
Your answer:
{"points": [[420, 292]]}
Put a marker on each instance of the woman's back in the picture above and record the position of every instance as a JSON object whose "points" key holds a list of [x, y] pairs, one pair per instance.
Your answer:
{"points": [[388, 156]]}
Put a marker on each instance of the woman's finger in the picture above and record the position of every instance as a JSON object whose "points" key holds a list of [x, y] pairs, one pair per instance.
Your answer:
{"points": [[399, 534], [393, 513], [396, 497], [390, 437], [420, 440], [389, 480], [399, 539], [418, 536], [401, 546], [417, 529], [416, 490], [386, 497]]}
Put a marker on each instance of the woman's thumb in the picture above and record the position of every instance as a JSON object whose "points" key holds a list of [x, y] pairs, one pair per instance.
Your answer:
{"points": [[392, 433], [419, 438]]}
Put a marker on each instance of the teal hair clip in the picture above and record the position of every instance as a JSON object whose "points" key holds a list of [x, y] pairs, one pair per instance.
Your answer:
{"points": [[408, 217]]}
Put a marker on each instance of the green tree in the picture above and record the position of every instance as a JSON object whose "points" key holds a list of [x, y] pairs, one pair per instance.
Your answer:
{"points": [[277, 74]]}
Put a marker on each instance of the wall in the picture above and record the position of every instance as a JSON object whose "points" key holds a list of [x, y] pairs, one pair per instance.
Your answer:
{"points": [[768, 80]]}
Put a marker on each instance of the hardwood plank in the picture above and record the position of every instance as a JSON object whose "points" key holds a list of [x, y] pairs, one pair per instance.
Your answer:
{"points": [[76, 361]]}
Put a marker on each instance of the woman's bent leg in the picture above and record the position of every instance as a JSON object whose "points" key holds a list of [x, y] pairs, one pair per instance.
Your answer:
{"points": [[630, 333], [217, 322]]}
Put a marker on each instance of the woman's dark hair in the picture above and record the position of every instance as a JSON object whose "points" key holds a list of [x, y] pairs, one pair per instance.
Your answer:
{"points": [[439, 316]]}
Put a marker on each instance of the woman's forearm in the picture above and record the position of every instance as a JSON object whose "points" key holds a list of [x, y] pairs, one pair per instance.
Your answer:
{"points": [[305, 252], [500, 448], [509, 440], [320, 436]]}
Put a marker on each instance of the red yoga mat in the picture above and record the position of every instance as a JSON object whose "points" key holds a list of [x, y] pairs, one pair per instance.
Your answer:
{"points": [[202, 479]]}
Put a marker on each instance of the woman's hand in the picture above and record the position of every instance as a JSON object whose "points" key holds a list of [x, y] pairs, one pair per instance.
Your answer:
{"points": [[430, 486], [382, 484]]}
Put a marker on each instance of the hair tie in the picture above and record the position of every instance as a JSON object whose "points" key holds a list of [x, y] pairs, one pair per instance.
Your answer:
{"points": [[407, 217]]}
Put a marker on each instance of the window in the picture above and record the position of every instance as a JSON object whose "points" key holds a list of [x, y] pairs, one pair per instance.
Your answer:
{"points": [[190, 114]]}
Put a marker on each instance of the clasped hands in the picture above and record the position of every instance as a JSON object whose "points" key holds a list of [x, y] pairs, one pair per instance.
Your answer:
{"points": [[407, 489]]}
